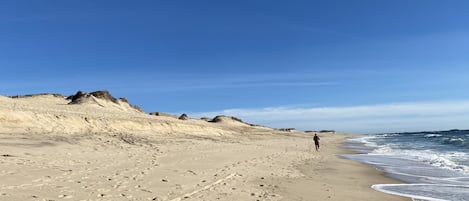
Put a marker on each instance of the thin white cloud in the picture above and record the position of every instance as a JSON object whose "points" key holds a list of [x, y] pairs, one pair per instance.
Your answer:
{"points": [[141, 82], [245, 85], [201, 82], [362, 119]]}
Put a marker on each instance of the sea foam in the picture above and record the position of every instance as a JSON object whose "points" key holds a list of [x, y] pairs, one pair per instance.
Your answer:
{"points": [[434, 164]]}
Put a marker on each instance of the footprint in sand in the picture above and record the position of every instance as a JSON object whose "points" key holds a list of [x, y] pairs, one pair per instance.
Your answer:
{"points": [[65, 196]]}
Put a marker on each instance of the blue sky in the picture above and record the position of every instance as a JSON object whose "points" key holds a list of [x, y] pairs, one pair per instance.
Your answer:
{"points": [[244, 58]]}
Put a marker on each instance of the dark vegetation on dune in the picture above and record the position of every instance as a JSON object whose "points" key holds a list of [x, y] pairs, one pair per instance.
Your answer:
{"points": [[183, 117], [105, 95], [219, 118], [35, 95], [97, 94]]}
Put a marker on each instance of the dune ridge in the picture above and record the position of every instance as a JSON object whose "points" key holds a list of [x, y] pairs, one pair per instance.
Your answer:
{"points": [[96, 112]]}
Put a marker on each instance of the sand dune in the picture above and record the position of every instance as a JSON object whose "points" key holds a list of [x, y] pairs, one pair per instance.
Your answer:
{"points": [[101, 149], [52, 114]]}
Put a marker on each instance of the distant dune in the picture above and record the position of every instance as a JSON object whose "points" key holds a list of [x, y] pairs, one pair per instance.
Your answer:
{"points": [[100, 112]]}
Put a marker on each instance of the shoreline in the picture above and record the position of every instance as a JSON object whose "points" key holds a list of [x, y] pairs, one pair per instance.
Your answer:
{"points": [[425, 162], [337, 178]]}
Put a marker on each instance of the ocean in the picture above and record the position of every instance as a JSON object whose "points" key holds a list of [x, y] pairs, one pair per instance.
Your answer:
{"points": [[432, 165]]}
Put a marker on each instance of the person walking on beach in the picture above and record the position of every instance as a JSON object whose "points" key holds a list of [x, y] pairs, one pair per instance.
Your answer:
{"points": [[316, 141]]}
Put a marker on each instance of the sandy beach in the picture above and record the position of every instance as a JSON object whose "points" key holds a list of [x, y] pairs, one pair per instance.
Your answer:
{"points": [[99, 149]]}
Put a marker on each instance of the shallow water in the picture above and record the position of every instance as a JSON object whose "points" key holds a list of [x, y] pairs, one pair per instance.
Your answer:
{"points": [[435, 165], [426, 191]]}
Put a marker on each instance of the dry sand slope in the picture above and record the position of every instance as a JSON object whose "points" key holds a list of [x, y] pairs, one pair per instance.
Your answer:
{"points": [[108, 150]]}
